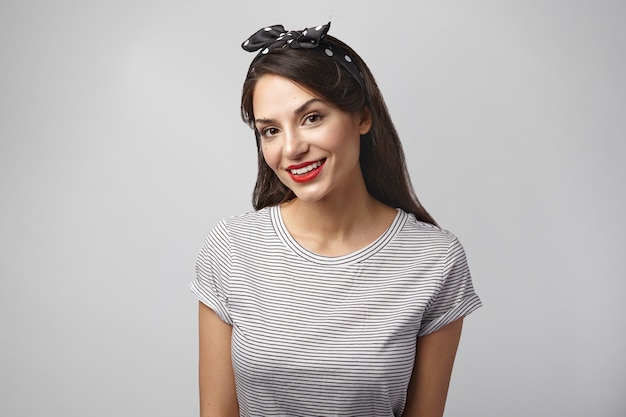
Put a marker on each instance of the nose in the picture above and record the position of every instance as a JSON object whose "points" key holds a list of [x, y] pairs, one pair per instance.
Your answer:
{"points": [[294, 145]]}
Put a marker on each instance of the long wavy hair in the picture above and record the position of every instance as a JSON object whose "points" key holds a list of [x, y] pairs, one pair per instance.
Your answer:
{"points": [[381, 155]]}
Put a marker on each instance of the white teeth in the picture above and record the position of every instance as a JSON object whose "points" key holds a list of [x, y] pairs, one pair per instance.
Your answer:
{"points": [[306, 169]]}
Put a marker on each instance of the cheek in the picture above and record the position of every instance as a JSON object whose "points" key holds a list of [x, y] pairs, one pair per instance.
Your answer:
{"points": [[343, 138], [346, 143], [270, 156]]}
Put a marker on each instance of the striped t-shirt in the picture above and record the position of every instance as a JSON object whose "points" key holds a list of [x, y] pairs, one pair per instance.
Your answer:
{"points": [[329, 336]]}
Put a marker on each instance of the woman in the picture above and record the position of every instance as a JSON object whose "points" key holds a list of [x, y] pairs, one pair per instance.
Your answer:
{"points": [[339, 295]]}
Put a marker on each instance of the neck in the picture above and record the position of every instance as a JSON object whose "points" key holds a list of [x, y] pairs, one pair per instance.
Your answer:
{"points": [[337, 226], [332, 216]]}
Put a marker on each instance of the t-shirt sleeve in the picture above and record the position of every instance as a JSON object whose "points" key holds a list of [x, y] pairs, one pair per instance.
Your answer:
{"points": [[456, 297], [213, 267]]}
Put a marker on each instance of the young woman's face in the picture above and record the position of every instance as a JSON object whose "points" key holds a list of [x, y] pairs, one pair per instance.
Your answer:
{"points": [[312, 146]]}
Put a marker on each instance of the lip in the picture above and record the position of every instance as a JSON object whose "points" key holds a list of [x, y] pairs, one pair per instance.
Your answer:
{"points": [[307, 176], [304, 164]]}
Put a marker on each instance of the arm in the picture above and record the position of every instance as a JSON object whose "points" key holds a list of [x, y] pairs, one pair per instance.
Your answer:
{"points": [[216, 377], [428, 389]]}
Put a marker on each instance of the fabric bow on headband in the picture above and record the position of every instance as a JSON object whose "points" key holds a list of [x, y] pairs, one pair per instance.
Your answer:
{"points": [[274, 37]]}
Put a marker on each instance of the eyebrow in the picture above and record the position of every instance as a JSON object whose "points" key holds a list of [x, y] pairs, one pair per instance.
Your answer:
{"points": [[297, 111]]}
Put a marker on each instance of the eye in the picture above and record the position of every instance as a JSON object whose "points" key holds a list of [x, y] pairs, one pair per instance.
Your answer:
{"points": [[312, 118], [268, 132]]}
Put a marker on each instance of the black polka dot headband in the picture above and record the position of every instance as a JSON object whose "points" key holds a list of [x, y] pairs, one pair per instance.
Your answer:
{"points": [[274, 37]]}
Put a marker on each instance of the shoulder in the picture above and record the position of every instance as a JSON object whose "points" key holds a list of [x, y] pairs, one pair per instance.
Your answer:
{"points": [[247, 220], [422, 241], [245, 227], [237, 231], [251, 222], [426, 233]]}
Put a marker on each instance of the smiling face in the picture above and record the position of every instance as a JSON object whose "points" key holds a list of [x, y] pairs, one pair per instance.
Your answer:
{"points": [[312, 146]]}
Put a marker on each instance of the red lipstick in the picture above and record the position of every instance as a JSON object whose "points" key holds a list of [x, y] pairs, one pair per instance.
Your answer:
{"points": [[306, 171]]}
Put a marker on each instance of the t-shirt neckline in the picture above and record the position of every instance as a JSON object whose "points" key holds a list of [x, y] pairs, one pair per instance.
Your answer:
{"points": [[354, 257]]}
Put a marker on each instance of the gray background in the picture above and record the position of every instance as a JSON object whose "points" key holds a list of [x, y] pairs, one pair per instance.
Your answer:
{"points": [[121, 145]]}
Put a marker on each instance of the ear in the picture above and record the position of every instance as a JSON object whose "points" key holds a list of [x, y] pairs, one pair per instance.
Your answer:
{"points": [[365, 121]]}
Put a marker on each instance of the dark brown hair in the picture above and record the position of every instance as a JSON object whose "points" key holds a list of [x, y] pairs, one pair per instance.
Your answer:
{"points": [[381, 156]]}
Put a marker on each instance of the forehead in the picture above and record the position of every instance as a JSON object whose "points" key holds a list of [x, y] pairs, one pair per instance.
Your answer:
{"points": [[274, 93]]}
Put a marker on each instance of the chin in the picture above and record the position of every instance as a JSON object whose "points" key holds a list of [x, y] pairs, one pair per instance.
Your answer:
{"points": [[310, 197]]}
